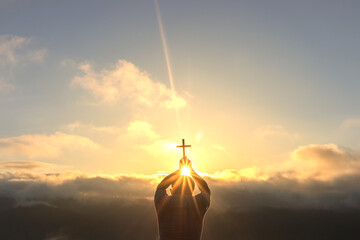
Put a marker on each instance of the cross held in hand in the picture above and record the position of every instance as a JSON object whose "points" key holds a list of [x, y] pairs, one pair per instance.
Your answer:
{"points": [[183, 146]]}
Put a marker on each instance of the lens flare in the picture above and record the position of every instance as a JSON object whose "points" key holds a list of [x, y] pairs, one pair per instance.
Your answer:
{"points": [[185, 171]]}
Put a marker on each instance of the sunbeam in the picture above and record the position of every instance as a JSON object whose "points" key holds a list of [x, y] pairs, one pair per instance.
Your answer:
{"points": [[168, 64]]}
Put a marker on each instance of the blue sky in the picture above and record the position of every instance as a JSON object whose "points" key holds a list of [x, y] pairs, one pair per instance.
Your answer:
{"points": [[287, 68]]}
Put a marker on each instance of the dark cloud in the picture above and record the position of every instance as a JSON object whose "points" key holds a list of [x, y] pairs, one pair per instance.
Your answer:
{"points": [[25, 185], [278, 192], [80, 219], [76, 206], [284, 224]]}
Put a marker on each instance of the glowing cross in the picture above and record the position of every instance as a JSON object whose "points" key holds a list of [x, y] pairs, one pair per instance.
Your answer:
{"points": [[183, 146]]}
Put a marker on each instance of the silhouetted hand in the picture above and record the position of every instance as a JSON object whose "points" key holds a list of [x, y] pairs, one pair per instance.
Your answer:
{"points": [[185, 162], [192, 171], [200, 182], [169, 179]]}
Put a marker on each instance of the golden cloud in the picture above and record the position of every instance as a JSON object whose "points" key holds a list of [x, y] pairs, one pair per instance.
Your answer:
{"points": [[43, 146], [145, 137], [126, 81], [325, 161], [141, 129], [23, 165], [315, 162], [273, 131], [77, 125]]}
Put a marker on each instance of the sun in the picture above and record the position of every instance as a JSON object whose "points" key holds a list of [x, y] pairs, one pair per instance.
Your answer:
{"points": [[185, 171]]}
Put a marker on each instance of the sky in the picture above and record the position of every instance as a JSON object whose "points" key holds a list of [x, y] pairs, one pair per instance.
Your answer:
{"points": [[93, 87], [95, 96]]}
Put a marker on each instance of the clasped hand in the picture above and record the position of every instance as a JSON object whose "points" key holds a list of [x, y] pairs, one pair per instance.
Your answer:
{"points": [[185, 162]]}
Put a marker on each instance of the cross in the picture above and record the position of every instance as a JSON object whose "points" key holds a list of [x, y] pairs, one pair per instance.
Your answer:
{"points": [[183, 146]]}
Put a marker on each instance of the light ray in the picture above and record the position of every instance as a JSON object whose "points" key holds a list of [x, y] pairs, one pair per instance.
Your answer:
{"points": [[168, 65]]}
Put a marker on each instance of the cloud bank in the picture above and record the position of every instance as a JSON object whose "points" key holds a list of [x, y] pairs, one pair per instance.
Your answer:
{"points": [[315, 195], [76, 205]]}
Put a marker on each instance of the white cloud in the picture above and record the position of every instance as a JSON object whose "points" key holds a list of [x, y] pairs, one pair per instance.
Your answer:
{"points": [[126, 81], [43, 146]]}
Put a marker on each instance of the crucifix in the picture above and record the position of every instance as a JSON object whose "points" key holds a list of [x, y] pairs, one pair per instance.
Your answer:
{"points": [[183, 146]]}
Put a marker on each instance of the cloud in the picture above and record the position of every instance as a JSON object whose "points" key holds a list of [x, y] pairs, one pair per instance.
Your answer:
{"points": [[240, 189], [77, 125], [13, 50], [237, 175], [327, 154], [273, 131], [164, 146], [319, 181], [141, 129], [23, 165], [350, 123], [22, 185], [4, 85], [252, 203], [137, 135], [85, 206], [68, 62], [8, 46], [324, 161], [314, 162], [126, 81], [143, 135], [43, 146]]}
